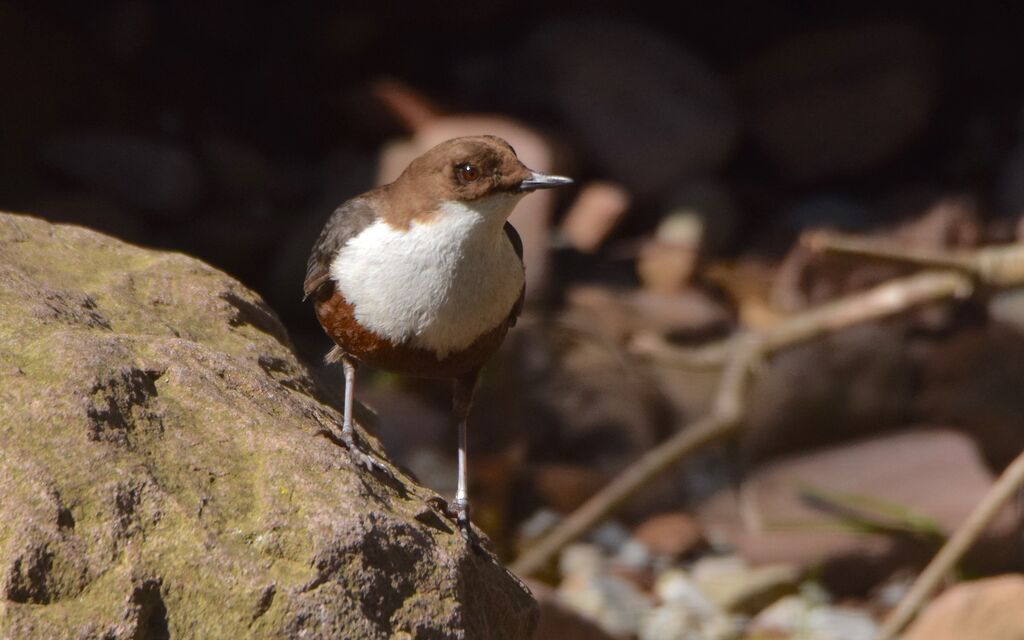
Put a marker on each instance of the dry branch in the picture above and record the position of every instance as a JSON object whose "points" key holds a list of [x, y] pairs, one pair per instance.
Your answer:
{"points": [[995, 266], [725, 415], [954, 549], [884, 300]]}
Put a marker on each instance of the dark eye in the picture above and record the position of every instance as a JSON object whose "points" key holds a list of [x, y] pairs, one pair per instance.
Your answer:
{"points": [[467, 172]]}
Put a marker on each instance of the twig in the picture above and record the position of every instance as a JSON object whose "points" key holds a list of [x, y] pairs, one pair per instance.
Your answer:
{"points": [[884, 300], [995, 266], [722, 420], [956, 276], [954, 549], [875, 249]]}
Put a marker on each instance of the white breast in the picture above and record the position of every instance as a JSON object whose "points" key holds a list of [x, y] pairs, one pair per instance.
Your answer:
{"points": [[437, 285]]}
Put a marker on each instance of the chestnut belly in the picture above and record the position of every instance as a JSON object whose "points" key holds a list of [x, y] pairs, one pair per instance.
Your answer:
{"points": [[337, 317]]}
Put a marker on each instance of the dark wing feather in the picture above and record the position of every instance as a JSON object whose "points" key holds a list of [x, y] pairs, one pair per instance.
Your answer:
{"points": [[517, 244], [344, 224]]}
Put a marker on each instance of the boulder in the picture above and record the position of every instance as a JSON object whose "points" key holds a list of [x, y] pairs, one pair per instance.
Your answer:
{"points": [[644, 111], [815, 101], [164, 473], [155, 176]]}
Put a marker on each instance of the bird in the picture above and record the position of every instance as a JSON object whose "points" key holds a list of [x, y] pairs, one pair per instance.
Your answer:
{"points": [[424, 277]]}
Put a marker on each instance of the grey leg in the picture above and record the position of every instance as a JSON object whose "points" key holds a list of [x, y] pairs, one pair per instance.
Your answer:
{"points": [[350, 392], [348, 432], [462, 401]]}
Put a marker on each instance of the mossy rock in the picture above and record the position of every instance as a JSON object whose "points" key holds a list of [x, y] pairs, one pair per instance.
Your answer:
{"points": [[162, 476]]}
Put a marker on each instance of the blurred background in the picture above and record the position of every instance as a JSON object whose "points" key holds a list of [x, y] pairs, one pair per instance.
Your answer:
{"points": [[704, 139]]}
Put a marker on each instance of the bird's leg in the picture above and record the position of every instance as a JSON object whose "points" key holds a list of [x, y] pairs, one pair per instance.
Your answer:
{"points": [[348, 432], [462, 400], [350, 391]]}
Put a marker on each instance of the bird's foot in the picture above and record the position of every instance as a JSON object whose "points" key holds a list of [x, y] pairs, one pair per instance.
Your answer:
{"points": [[460, 513], [347, 439]]}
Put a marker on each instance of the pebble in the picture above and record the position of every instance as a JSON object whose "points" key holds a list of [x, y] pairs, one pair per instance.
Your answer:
{"points": [[669, 534], [1008, 307], [598, 207], [633, 555], [675, 587], [538, 524], [581, 559], [670, 622], [795, 616], [615, 604], [610, 536], [736, 588], [723, 628]]}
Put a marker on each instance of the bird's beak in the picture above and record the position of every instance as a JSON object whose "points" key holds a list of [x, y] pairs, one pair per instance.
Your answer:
{"points": [[543, 181]]}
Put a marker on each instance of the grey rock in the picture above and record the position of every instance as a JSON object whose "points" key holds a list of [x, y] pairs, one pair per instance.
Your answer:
{"points": [[581, 558], [1007, 307], [156, 176], [614, 604], [560, 622], [670, 622], [737, 588], [838, 101], [633, 555], [644, 109], [1010, 186], [610, 536], [793, 616], [675, 587], [723, 628]]}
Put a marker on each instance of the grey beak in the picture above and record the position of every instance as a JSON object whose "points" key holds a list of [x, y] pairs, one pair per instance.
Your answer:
{"points": [[543, 181]]}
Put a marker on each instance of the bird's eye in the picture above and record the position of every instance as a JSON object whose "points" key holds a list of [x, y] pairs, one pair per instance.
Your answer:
{"points": [[467, 172]]}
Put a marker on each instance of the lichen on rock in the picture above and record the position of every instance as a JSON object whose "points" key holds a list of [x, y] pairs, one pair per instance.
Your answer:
{"points": [[162, 476]]}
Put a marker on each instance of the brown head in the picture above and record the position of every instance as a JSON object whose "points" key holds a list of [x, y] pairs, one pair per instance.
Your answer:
{"points": [[483, 170]]}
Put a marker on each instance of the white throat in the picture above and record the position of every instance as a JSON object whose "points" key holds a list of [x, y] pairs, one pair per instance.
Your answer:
{"points": [[438, 285]]}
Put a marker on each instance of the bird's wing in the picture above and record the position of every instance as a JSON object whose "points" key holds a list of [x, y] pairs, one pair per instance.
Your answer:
{"points": [[517, 244], [345, 223]]}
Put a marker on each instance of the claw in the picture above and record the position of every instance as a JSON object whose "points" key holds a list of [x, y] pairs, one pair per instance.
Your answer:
{"points": [[347, 439], [361, 457], [460, 513]]}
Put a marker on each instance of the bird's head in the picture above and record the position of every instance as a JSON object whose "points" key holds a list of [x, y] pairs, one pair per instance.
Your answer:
{"points": [[481, 172]]}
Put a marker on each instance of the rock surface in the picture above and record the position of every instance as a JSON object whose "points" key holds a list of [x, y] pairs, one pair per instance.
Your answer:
{"points": [[641, 108], [671, 534], [161, 472], [737, 588], [558, 621], [813, 99], [888, 481], [795, 617], [989, 609]]}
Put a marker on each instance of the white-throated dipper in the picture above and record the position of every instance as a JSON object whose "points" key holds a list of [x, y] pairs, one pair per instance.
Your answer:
{"points": [[424, 276]]}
